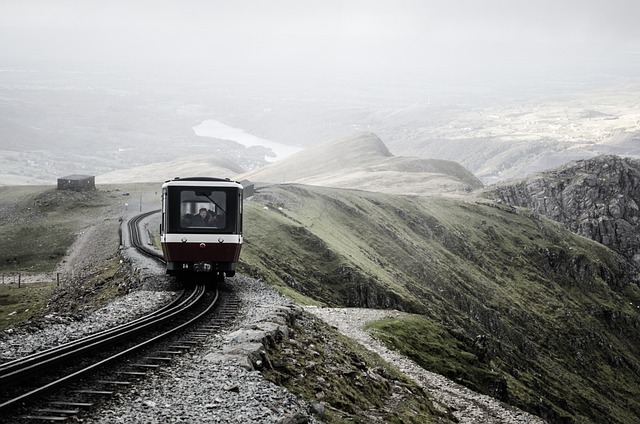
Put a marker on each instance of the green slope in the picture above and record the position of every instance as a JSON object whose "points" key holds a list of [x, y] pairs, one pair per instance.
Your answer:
{"points": [[506, 301]]}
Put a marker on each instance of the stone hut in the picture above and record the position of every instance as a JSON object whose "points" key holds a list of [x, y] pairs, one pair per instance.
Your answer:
{"points": [[77, 183]]}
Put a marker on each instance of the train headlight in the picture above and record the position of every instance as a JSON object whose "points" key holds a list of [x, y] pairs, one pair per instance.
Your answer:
{"points": [[183, 239], [202, 245], [220, 240]]}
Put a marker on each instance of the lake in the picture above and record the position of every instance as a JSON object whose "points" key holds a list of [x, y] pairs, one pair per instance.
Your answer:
{"points": [[213, 128]]}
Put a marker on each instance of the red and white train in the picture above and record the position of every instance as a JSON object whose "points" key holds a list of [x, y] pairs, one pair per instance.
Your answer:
{"points": [[201, 228]]}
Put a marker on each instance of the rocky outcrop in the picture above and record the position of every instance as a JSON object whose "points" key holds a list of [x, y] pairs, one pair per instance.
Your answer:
{"points": [[597, 198], [248, 345]]}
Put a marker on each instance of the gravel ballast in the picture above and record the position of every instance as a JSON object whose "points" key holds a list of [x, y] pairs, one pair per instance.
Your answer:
{"points": [[211, 385]]}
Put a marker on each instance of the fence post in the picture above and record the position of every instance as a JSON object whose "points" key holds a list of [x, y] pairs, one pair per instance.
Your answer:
{"points": [[19, 276]]}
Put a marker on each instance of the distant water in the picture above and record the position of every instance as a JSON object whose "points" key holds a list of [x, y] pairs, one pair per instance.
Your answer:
{"points": [[213, 128]]}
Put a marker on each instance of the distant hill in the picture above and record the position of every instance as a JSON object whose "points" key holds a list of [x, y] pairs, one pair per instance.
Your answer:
{"points": [[504, 139], [362, 161], [359, 161], [182, 167]]}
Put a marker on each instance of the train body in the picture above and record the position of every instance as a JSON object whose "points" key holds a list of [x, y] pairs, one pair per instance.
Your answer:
{"points": [[201, 227]]}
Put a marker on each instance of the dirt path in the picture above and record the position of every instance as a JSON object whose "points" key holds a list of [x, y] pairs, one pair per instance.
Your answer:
{"points": [[469, 407]]}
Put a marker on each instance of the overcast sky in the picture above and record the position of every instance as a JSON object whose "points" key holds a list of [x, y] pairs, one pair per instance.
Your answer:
{"points": [[437, 38]]}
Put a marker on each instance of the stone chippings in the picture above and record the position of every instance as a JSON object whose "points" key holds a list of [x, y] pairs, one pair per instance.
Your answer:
{"points": [[57, 329], [468, 406], [219, 382]]}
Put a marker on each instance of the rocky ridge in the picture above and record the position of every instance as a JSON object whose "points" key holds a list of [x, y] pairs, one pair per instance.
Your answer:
{"points": [[596, 198]]}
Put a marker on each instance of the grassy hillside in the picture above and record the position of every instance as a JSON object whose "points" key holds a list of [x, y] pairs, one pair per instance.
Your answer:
{"points": [[505, 301], [38, 228], [39, 224]]}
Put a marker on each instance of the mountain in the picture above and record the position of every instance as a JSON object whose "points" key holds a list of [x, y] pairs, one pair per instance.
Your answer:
{"points": [[502, 299], [60, 123], [362, 161], [597, 198]]}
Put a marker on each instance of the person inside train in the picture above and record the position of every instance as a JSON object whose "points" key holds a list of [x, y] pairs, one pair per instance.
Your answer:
{"points": [[187, 220], [213, 220], [201, 219]]}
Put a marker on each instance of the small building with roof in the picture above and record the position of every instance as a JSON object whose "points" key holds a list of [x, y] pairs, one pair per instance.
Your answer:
{"points": [[77, 182]]}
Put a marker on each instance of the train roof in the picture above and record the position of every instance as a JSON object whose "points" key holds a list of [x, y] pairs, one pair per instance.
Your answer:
{"points": [[201, 181]]}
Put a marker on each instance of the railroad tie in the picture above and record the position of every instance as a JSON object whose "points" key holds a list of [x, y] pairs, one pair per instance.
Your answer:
{"points": [[115, 383], [94, 392], [181, 347], [71, 404], [43, 417], [145, 365], [133, 373], [158, 358], [57, 411]]}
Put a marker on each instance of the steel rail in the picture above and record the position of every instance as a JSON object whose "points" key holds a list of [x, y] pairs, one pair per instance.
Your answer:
{"points": [[136, 240], [200, 292], [24, 368]]}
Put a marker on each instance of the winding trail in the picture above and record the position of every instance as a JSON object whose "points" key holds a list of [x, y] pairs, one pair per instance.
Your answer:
{"points": [[468, 406]]}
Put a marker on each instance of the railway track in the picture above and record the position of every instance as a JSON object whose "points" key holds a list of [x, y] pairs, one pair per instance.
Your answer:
{"points": [[41, 378], [135, 236]]}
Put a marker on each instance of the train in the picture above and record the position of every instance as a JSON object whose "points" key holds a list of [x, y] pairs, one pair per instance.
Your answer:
{"points": [[201, 226]]}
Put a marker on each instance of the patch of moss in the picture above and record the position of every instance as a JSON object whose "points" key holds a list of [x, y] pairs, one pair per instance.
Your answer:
{"points": [[442, 351], [35, 247], [18, 304]]}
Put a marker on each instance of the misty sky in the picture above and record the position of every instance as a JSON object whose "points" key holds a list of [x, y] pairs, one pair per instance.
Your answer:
{"points": [[365, 37]]}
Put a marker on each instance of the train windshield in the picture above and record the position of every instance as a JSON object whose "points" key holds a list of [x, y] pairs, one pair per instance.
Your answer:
{"points": [[202, 209]]}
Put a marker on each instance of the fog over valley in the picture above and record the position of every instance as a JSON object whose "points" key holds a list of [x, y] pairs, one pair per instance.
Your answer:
{"points": [[502, 89]]}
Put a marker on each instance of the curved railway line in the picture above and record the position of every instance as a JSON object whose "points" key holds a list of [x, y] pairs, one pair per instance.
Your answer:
{"points": [[33, 379], [135, 236]]}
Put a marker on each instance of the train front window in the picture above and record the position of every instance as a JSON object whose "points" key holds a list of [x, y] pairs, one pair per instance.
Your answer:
{"points": [[203, 208]]}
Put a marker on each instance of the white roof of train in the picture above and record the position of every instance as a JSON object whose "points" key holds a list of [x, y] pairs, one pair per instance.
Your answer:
{"points": [[202, 182]]}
